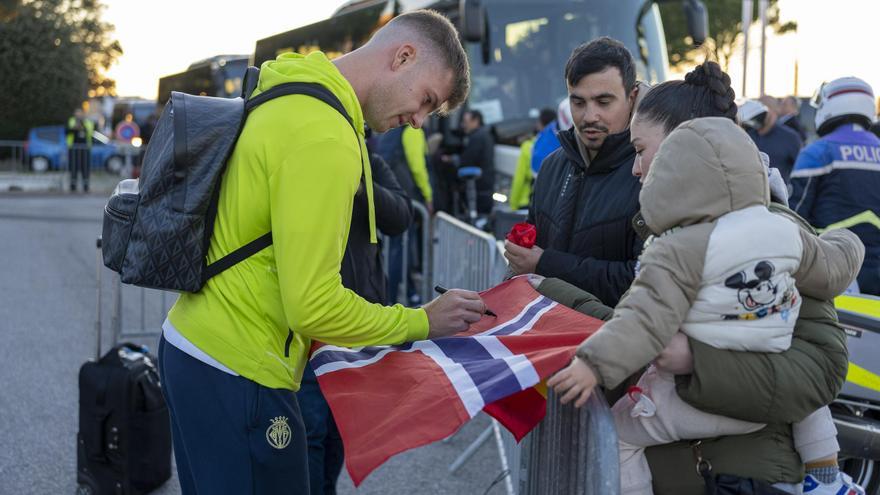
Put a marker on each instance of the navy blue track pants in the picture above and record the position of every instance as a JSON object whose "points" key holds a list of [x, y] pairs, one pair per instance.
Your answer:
{"points": [[231, 435]]}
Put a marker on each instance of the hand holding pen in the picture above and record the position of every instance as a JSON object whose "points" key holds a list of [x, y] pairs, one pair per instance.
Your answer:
{"points": [[442, 290], [453, 312]]}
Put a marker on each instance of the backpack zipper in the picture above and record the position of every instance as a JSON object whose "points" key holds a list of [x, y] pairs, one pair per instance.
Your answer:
{"points": [[113, 212]]}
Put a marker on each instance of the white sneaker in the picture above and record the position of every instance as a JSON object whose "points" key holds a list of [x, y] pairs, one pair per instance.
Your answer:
{"points": [[843, 485]]}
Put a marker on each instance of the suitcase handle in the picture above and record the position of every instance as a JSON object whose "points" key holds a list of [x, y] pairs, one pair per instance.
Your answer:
{"points": [[94, 439], [113, 354]]}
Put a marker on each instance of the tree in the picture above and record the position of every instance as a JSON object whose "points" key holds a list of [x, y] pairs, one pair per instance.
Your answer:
{"points": [[52, 52], [725, 30]]}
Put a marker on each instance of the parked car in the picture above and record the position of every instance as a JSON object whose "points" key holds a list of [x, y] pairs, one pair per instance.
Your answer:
{"points": [[46, 149]]}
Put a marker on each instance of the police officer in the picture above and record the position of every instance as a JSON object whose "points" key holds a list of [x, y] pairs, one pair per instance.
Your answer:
{"points": [[79, 148], [779, 142], [836, 179]]}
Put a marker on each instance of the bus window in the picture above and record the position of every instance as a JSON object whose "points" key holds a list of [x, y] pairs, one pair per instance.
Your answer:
{"points": [[335, 36], [530, 42]]}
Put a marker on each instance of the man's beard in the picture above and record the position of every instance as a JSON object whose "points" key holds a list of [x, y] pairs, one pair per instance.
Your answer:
{"points": [[592, 144]]}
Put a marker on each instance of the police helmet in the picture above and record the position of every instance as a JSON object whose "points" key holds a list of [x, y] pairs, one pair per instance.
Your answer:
{"points": [[843, 100], [751, 113]]}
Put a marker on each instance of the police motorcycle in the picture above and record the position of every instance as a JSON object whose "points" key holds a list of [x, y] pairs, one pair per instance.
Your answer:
{"points": [[856, 410]]}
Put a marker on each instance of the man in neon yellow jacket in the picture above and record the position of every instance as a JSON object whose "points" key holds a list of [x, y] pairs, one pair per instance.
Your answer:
{"points": [[406, 149], [531, 154], [232, 354], [79, 148]]}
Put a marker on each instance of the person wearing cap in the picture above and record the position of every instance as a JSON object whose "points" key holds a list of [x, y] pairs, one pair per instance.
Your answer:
{"points": [[781, 144], [836, 179]]}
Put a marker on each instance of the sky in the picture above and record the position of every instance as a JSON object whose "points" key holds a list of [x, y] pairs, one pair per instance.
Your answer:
{"points": [[829, 43], [163, 37]]}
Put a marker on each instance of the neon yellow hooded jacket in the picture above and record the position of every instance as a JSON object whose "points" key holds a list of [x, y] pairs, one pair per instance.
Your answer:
{"points": [[415, 149], [521, 188], [294, 170]]}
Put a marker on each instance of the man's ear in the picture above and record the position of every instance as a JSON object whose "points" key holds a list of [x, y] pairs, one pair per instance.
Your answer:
{"points": [[634, 93], [404, 56], [633, 96]]}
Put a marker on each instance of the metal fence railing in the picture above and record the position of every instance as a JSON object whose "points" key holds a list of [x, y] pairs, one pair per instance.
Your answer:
{"points": [[572, 451], [464, 256], [422, 237], [13, 156], [129, 312], [50, 156]]}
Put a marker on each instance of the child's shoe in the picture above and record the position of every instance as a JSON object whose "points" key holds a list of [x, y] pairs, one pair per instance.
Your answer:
{"points": [[843, 485]]}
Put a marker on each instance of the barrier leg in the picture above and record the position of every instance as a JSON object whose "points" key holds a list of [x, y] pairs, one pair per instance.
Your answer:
{"points": [[471, 449]]}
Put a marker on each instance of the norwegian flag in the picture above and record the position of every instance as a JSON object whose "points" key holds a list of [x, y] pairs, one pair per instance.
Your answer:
{"points": [[389, 399]]}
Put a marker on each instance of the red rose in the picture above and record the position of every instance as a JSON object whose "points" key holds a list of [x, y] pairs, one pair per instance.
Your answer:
{"points": [[523, 234]]}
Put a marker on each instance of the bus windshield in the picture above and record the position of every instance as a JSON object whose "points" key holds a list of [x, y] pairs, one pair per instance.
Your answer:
{"points": [[530, 41]]}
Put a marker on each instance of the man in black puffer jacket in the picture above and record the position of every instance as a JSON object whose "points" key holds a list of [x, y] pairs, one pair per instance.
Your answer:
{"points": [[585, 194]]}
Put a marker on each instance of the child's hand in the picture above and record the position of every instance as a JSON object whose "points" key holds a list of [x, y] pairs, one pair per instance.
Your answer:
{"points": [[575, 381], [676, 358]]}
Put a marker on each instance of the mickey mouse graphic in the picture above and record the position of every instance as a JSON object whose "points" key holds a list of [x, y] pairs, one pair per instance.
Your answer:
{"points": [[756, 293]]}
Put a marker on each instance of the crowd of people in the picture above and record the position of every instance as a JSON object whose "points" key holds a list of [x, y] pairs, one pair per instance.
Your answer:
{"points": [[684, 218], [689, 235]]}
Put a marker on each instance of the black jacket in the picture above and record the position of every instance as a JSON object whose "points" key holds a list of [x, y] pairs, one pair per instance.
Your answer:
{"points": [[479, 151], [793, 123], [583, 216], [362, 264]]}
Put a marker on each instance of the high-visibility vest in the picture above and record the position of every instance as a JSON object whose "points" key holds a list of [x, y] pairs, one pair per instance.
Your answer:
{"points": [[89, 126]]}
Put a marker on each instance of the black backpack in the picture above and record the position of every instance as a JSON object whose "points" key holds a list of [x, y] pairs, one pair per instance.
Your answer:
{"points": [[157, 230]]}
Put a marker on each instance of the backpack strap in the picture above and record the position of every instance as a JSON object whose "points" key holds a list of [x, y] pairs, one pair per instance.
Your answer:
{"points": [[237, 256], [314, 90]]}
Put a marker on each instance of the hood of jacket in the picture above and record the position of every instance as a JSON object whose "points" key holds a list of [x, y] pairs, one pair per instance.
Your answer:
{"points": [[312, 68], [317, 68], [704, 169]]}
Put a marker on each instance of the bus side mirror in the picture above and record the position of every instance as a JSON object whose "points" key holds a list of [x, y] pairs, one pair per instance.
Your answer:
{"points": [[472, 19], [697, 20]]}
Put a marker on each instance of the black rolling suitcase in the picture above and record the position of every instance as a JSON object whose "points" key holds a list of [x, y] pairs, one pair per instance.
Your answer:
{"points": [[124, 438]]}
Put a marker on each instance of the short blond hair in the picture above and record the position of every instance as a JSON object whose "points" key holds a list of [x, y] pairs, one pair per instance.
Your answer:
{"points": [[442, 39]]}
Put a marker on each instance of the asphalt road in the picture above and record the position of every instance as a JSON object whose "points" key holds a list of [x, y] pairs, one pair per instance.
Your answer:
{"points": [[47, 324]]}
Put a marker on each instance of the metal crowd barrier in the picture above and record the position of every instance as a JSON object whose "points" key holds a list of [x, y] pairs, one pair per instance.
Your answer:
{"points": [[423, 286], [13, 157], [115, 157], [572, 451], [464, 256], [134, 312], [425, 290]]}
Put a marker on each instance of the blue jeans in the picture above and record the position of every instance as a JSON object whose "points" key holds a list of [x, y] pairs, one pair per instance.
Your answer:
{"points": [[395, 262], [325, 445], [230, 434]]}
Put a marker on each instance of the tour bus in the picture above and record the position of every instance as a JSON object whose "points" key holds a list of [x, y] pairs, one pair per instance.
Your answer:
{"points": [[220, 75], [517, 50]]}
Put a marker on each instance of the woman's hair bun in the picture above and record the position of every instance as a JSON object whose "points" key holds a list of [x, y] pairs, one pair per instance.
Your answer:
{"points": [[710, 76]]}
